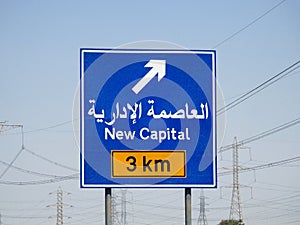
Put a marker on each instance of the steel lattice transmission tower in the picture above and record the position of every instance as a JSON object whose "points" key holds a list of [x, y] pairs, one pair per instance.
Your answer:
{"points": [[202, 216], [123, 207], [60, 206], [114, 212], [119, 208], [235, 209]]}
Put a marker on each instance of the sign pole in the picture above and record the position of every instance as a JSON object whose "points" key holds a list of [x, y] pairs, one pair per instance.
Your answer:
{"points": [[188, 208], [108, 215]]}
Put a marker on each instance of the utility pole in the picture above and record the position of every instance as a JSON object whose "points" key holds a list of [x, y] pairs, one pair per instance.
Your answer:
{"points": [[202, 220]]}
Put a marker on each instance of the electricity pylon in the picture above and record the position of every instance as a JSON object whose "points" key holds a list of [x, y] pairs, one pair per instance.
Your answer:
{"points": [[202, 220], [235, 209], [59, 206], [119, 208]]}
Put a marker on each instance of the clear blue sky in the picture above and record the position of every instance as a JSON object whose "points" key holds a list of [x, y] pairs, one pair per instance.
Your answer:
{"points": [[39, 61]]}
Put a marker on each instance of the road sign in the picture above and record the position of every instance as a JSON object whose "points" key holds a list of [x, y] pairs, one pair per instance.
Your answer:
{"points": [[147, 118]]}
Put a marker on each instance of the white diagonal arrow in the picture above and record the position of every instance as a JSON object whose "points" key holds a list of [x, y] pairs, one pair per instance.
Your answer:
{"points": [[158, 67]]}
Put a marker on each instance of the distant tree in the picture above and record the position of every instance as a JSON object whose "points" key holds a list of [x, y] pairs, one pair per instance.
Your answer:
{"points": [[231, 222]]}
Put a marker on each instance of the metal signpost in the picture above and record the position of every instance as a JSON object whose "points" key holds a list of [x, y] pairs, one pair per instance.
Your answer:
{"points": [[147, 118]]}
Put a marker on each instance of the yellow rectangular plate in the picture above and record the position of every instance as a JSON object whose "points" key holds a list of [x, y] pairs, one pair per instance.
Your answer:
{"points": [[143, 163]]}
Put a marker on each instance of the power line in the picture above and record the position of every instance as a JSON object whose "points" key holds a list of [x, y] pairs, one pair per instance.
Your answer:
{"points": [[11, 163], [50, 127], [272, 131], [29, 171], [50, 161], [264, 166], [263, 134], [22, 217], [259, 88], [6, 127], [249, 24], [45, 128], [39, 182]]}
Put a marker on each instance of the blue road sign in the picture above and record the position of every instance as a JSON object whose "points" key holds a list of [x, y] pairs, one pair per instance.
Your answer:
{"points": [[147, 118]]}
